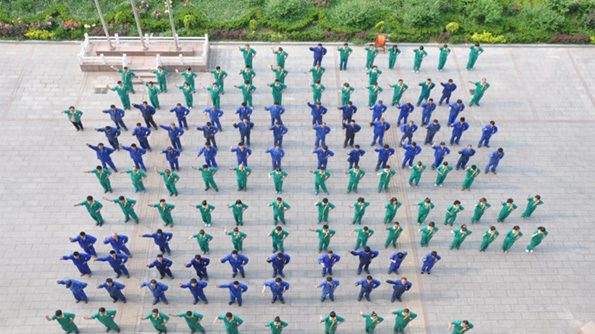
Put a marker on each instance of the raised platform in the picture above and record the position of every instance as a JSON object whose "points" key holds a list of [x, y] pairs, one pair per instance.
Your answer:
{"points": [[163, 49]]}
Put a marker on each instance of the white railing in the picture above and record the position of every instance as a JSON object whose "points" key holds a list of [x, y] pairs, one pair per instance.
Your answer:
{"points": [[148, 39]]}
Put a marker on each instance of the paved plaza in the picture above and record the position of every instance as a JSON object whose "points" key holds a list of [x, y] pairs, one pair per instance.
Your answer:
{"points": [[541, 98]]}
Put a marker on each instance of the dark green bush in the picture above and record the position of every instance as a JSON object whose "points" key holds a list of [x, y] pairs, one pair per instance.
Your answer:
{"points": [[483, 11], [286, 10], [355, 14], [541, 18], [421, 13]]}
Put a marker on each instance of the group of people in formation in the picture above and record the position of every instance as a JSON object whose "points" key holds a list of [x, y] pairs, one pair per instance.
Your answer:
{"points": [[120, 254]]}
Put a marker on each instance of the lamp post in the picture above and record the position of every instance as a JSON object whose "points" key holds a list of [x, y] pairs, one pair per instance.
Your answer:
{"points": [[140, 32], [109, 42], [173, 26]]}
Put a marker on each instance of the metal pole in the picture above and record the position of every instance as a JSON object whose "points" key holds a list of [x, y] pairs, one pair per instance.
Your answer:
{"points": [[140, 32], [173, 26], [109, 42]]}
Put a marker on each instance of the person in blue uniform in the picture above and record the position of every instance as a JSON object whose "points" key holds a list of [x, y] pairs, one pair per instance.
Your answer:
{"points": [[117, 116], [147, 111], [323, 154], [142, 135], [277, 154], [495, 158], [399, 288], [214, 115], [80, 261], [347, 112], [465, 153], [174, 134], [276, 111], [237, 262], [384, 153], [367, 286], [404, 110], [454, 109], [210, 153], [157, 289], [327, 261], [245, 128], [365, 259], [112, 136], [447, 89], [117, 262], [426, 112], [86, 241], [457, 130], [209, 131], [440, 152], [171, 155], [279, 130], [279, 262], [236, 289], [318, 53], [103, 154], [242, 153], [380, 128], [377, 110], [136, 154], [317, 111], [161, 239], [321, 131], [407, 130], [354, 155], [196, 289], [118, 243], [486, 134], [432, 129], [278, 288], [328, 288], [77, 289], [114, 289], [162, 265], [244, 111], [429, 261], [199, 263], [395, 262], [411, 151]]}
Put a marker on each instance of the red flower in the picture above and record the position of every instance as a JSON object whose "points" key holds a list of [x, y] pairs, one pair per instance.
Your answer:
{"points": [[112, 21], [127, 23]]}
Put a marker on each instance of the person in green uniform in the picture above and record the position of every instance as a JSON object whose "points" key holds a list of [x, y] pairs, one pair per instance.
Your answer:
{"points": [[331, 322], [444, 53], [372, 320], [74, 116], [416, 174], [189, 76], [192, 320], [205, 211], [203, 240], [247, 91], [480, 88], [317, 89], [278, 235], [399, 89], [160, 74], [443, 171], [532, 203], [324, 207], [373, 73], [420, 54], [208, 174], [247, 74], [346, 92], [385, 175], [355, 175], [373, 91], [278, 176], [391, 210], [452, 211], [238, 209], [280, 73], [242, 174], [459, 326], [158, 320], [344, 53], [489, 236], [153, 94], [426, 89], [276, 325], [103, 178], [279, 209], [219, 75], [324, 236], [536, 238], [460, 234], [393, 52], [164, 211], [371, 53], [317, 73], [277, 89], [248, 54], [359, 210], [507, 208], [363, 234], [427, 232], [170, 179], [472, 173], [66, 321], [480, 207], [474, 52], [122, 91], [127, 207], [215, 93], [404, 317], [188, 91], [137, 177], [320, 177], [511, 237], [394, 231], [106, 318], [127, 76], [94, 209], [280, 56], [232, 322], [424, 209], [237, 238]]}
